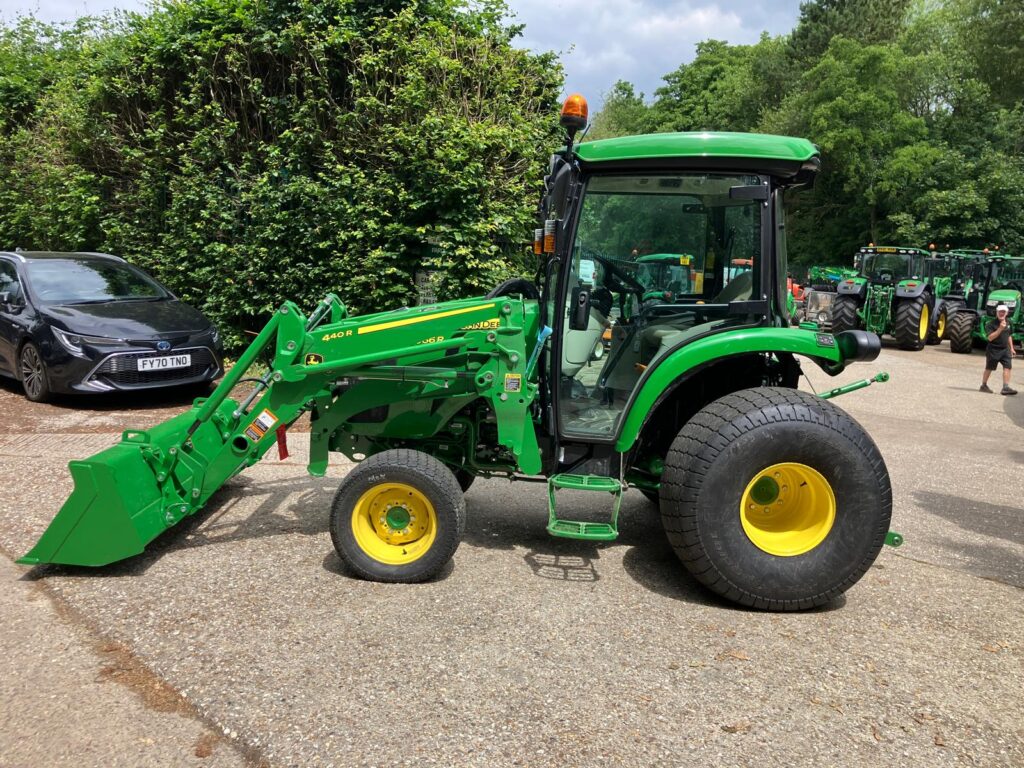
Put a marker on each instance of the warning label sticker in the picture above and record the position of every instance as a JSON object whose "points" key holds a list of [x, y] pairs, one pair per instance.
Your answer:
{"points": [[513, 382], [261, 425]]}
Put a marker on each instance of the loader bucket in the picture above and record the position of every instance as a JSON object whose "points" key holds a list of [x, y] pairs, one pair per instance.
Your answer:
{"points": [[113, 512]]}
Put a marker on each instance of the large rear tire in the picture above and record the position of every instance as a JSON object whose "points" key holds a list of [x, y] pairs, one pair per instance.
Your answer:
{"points": [[775, 499], [912, 322], [398, 517], [844, 314], [959, 332]]}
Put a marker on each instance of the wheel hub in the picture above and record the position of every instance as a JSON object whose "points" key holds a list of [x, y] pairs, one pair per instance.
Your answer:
{"points": [[787, 509], [394, 523]]}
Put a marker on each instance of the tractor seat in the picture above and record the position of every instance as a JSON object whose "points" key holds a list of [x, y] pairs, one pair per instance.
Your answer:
{"points": [[739, 288]]}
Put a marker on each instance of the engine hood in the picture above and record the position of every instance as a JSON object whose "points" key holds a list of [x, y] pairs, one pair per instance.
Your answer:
{"points": [[128, 319]]}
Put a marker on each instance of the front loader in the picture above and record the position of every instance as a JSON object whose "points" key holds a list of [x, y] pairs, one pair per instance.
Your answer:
{"points": [[772, 497]]}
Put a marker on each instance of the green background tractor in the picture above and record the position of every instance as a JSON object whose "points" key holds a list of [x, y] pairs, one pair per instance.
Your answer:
{"points": [[997, 280], [891, 294], [771, 497]]}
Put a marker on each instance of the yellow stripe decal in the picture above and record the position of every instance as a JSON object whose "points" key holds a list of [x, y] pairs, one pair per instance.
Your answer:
{"points": [[423, 318]]}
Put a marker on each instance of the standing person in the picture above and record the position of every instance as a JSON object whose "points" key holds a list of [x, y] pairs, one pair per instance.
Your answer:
{"points": [[999, 350]]}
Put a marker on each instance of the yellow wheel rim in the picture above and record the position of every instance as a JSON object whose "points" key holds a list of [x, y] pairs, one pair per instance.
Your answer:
{"points": [[394, 523], [940, 325], [925, 317], [787, 509]]}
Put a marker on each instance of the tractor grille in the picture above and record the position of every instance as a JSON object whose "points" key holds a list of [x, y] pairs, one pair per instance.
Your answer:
{"points": [[122, 369]]}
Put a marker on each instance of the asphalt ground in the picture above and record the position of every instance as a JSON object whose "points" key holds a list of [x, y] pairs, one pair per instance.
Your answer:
{"points": [[528, 650]]}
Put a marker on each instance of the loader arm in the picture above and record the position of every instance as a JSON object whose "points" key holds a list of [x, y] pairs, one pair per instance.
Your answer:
{"points": [[423, 363]]}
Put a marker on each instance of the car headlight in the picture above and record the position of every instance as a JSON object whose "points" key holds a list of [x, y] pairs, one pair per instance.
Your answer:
{"points": [[215, 334], [73, 342]]}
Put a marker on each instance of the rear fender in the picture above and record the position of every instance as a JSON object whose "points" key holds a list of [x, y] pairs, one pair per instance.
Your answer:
{"points": [[828, 351]]}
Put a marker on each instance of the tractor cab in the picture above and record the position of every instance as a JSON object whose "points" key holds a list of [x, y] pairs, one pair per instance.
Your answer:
{"points": [[886, 265]]}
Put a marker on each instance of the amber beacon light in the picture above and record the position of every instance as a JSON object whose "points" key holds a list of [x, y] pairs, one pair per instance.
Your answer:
{"points": [[574, 114]]}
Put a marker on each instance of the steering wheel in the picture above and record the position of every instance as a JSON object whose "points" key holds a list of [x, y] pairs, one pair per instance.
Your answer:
{"points": [[624, 280]]}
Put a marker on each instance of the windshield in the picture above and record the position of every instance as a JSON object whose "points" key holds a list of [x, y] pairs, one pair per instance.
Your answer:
{"points": [[1008, 274], [88, 281], [888, 267]]}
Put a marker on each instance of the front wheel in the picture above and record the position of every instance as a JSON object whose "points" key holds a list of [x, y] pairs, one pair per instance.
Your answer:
{"points": [[959, 332], [775, 499], [398, 517], [32, 371], [912, 321], [844, 314], [937, 333]]}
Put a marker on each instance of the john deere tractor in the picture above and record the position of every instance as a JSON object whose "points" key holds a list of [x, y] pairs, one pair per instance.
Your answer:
{"points": [[892, 294], [818, 299], [772, 497], [994, 281]]}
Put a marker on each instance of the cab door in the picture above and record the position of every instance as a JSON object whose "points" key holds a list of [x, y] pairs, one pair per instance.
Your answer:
{"points": [[11, 315]]}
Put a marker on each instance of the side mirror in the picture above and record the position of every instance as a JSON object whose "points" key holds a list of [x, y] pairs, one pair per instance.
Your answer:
{"points": [[579, 313]]}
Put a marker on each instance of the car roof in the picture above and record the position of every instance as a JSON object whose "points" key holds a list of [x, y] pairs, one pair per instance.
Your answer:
{"points": [[24, 256]]}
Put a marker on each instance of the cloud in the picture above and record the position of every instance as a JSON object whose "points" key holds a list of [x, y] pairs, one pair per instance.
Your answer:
{"points": [[639, 40]]}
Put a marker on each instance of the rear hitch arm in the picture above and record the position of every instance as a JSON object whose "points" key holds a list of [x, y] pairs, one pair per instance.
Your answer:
{"points": [[878, 377]]}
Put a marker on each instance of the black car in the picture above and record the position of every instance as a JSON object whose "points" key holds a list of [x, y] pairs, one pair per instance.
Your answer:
{"points": [[90, 322]]}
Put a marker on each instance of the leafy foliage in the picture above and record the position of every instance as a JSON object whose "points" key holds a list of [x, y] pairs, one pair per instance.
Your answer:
{"points": [[248, 153]]}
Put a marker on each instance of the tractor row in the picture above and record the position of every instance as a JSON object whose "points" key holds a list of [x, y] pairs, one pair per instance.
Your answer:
{"points": [[918, 297]]}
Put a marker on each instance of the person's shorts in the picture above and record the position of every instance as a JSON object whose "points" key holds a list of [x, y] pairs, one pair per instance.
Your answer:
{"points": [[992, 361]]}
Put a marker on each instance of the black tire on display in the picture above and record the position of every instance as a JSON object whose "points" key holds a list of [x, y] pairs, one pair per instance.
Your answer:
{"points": [[805, 545], [959, 331], [911, 322], [398, 517], [844, 314]]}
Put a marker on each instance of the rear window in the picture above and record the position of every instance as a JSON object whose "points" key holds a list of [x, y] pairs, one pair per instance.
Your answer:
{"points": [[81, 281]]}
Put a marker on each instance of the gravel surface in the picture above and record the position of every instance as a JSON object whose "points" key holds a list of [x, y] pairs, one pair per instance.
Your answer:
{"points": [[541, 652]]}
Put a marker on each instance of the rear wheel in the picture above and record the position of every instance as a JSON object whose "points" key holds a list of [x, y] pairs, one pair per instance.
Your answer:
{"points": [[398, 517], [775, 499], [844, 314], [32, 372], [959, 331], [912, 321]]}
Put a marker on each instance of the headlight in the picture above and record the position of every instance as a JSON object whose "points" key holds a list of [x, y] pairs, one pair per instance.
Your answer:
{"points": [[823, 317], [215, 334], [73, 342]]}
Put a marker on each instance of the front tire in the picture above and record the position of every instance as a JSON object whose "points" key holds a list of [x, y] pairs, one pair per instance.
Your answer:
{"points": [[912, 322], [32, 372], [959, 331], [844, 314], [398, 517], [799, 548], [937, 332]]}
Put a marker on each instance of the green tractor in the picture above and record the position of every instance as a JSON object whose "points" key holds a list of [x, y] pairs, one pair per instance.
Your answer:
{"points": [[771, 497], [989, 283], [895, 293]]}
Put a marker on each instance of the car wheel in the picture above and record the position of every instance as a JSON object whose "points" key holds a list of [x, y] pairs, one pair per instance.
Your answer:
{"points": [[32, 372]]}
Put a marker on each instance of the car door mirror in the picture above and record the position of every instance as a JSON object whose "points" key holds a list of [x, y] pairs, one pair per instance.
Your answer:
{"points": [[579, 314]]}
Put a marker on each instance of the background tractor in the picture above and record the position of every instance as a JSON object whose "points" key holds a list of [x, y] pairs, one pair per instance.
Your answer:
{"points": [[893, 293], [989, 283], [818, 299], [771, 497]]}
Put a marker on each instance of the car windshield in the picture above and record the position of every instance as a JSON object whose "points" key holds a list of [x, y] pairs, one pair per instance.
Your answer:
{"points": [[89, 281]]}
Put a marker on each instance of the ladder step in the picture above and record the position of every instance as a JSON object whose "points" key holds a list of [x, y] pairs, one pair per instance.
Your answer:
{"points": [[577, 529], [585, 483], [573, 529]]}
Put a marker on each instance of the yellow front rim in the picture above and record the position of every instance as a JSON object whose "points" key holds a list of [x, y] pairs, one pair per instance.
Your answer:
{"points": [[925, 317], [394, 523], [940, 325], [787, 509]]}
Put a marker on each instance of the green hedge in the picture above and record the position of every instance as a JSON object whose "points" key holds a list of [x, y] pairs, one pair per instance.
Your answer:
{"points": [[251, 152]]}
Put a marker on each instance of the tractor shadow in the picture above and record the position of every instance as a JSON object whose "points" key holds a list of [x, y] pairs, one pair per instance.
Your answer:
{"points": [[993, 520]]}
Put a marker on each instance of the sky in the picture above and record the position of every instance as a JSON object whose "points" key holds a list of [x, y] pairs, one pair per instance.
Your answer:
{"points": [[600, 41]]}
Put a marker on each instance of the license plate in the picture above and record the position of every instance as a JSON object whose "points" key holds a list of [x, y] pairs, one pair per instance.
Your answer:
{"points": [[165, 363]]}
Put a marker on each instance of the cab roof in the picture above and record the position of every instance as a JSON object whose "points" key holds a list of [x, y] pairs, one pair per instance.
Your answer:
{"points": [[782, 156]]}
